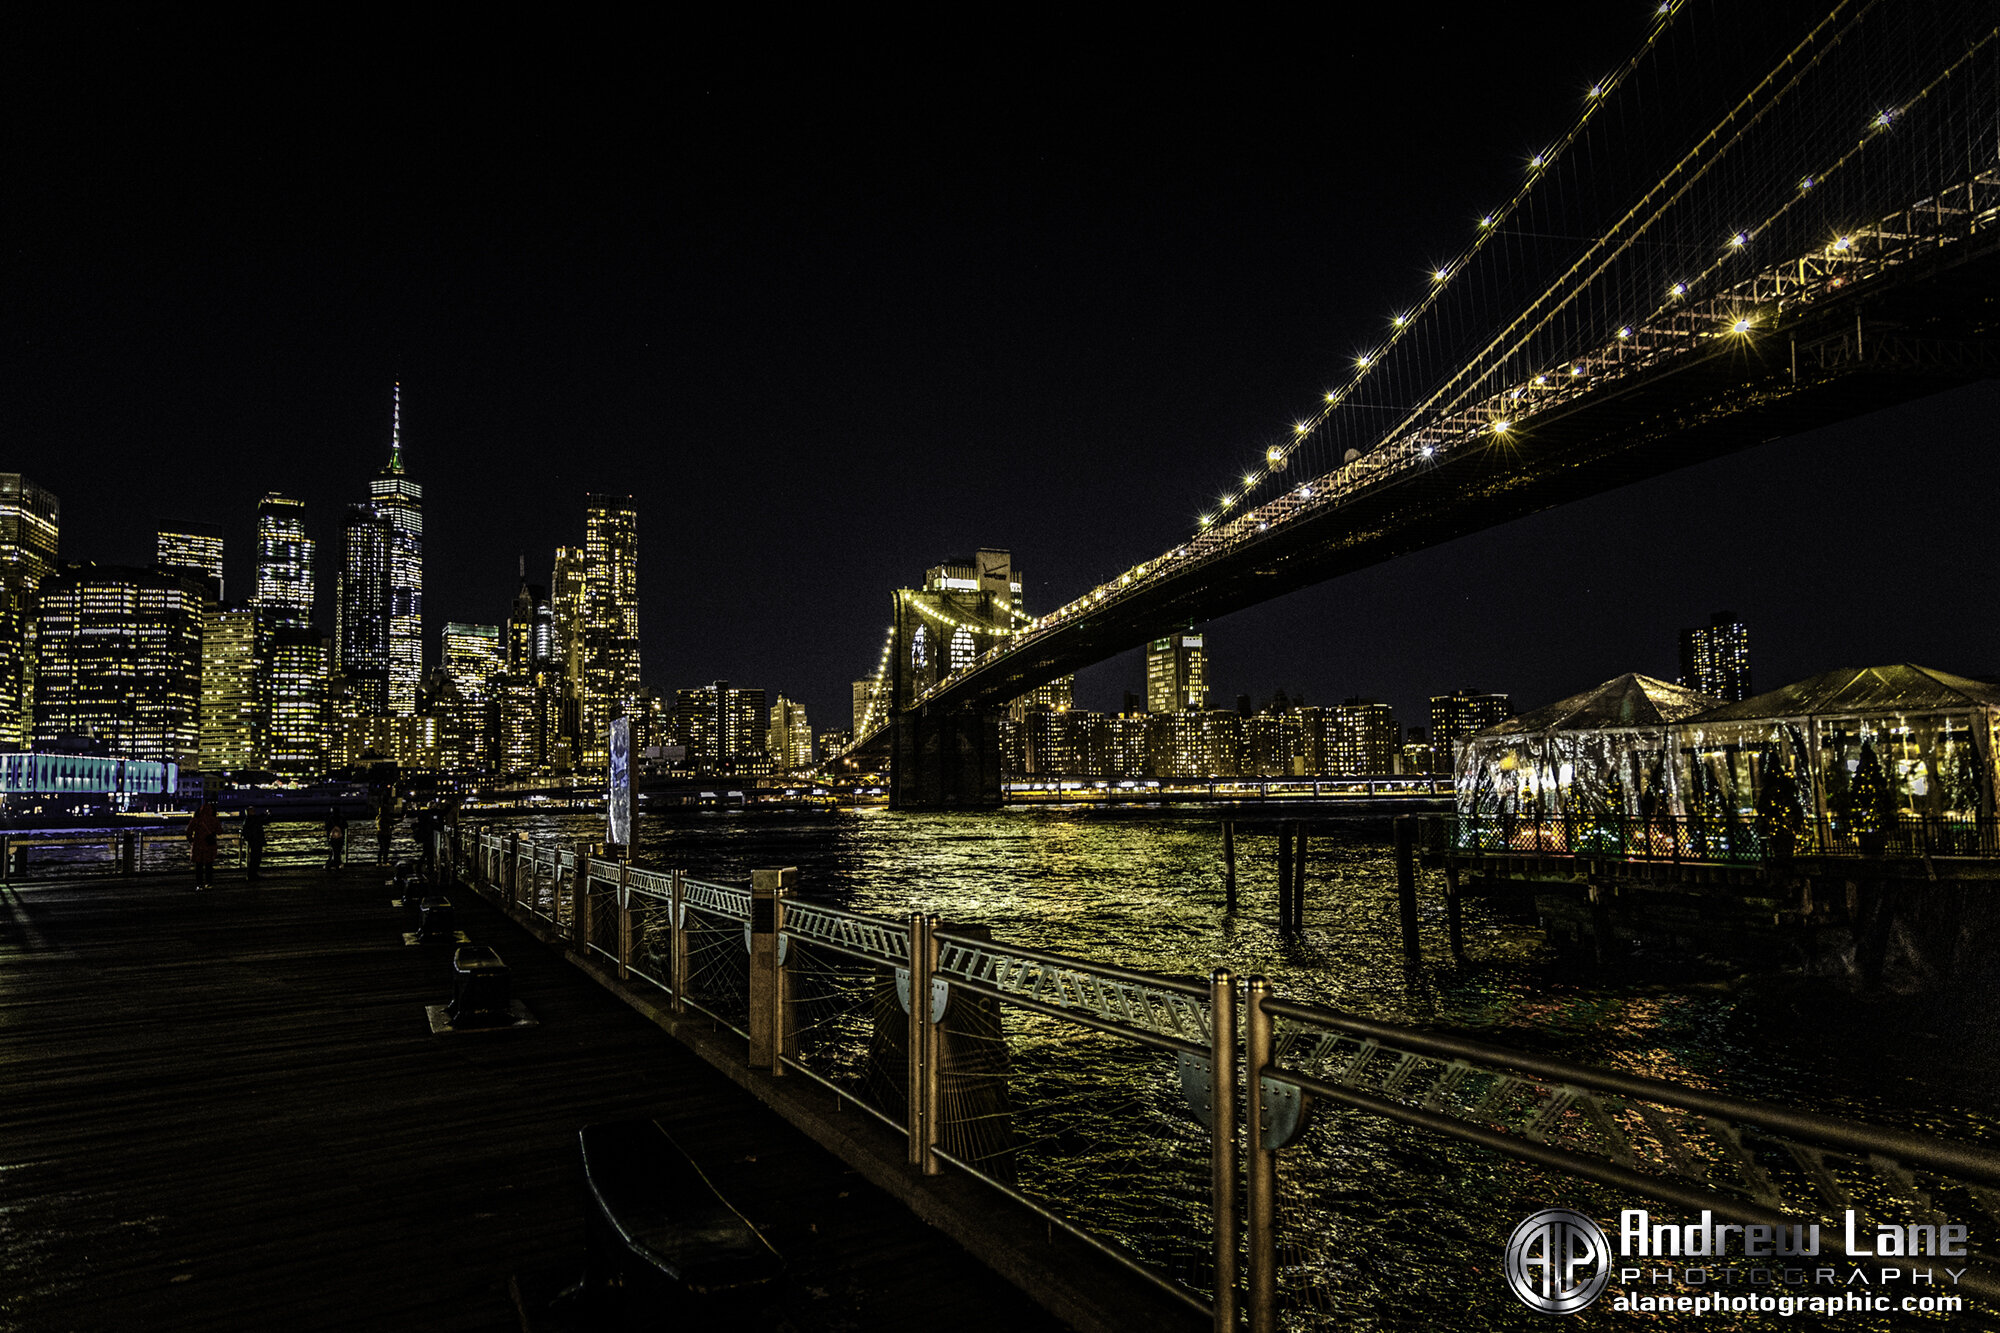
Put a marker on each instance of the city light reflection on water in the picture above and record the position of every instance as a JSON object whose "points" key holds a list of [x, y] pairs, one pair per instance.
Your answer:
{"points": [[1381, 1223]]}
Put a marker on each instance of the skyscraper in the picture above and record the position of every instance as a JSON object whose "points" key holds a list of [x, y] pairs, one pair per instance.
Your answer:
{"points": [[1176, 674], [474, 660], [1716, 660], [232, 707], [610, 684], [284, 562], [1457, 715], [118, 657], [29, 518], [361, 628], [724, 729], [192, 550], [790, 740], [295, 700], [400, 503]]}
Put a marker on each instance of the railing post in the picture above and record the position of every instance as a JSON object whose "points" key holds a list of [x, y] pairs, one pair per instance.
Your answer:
{"points": [[579, 903], [923, 1079], [1223, 1164], [511, 861], [1261, 1179], [625, 921], [130, 852], [767, 967], [677, 946]]}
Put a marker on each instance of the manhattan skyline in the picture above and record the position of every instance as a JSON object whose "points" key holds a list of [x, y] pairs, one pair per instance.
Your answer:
{"points": [[825, 352]]}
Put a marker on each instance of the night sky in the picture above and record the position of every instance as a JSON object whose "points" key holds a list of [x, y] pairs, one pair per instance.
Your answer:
{"points": [[836, 308]]}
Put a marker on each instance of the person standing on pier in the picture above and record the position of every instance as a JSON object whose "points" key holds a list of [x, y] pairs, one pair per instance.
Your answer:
{"points": [[385, 827], [336, 838], [255, 821], [203, 830]]}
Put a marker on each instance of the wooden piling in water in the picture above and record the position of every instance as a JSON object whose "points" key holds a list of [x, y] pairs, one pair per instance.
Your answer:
{"points": [[1406, 886], [1299, 882], [1285, 923], [1229, 865], [1453, 920]]}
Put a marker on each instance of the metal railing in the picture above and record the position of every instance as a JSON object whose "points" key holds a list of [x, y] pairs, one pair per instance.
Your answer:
{"points": [[1721, 839], [968, 1048]]}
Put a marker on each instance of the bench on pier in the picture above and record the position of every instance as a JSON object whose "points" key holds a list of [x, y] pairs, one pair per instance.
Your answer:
{"points": [[652, 1216]]}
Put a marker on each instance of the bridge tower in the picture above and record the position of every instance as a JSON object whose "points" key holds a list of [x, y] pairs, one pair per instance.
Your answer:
{"points": [[939, 758]]}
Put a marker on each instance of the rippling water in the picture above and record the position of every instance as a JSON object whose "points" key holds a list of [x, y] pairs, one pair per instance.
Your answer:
{"points": [[1383, 1223]]}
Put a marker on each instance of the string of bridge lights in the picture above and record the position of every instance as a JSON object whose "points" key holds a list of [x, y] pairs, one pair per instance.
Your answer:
{"points": [[1734, 323], [1277, 456]]}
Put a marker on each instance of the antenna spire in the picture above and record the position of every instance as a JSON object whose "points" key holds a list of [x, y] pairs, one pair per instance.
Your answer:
{"points": [[396, 427]]}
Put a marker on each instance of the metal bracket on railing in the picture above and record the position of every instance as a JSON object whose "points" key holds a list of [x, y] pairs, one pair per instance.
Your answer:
{"points": [[1288, 1112], [784, 940], [940, 994], [1197, 1075]]}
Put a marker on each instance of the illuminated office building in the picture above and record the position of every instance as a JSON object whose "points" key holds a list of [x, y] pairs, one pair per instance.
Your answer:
{"points": [[610, 683], [297, 664], [1716, 660], [1196, 743], [723, 728], [1361, 740], [361, 619], [29, 520], [474, 660], [530, 630], [1055, 696], [1177, 674], [1456, 716], [192, 550], [284, 562], [871, 703], [233, 719], [118, 660], [789, 740], [400, 502], [566, 608]]}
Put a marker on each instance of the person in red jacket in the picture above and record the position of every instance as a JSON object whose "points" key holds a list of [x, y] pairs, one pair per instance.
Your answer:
{"points": [[202, 832]]}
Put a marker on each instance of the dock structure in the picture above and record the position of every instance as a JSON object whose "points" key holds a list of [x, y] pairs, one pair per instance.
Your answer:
{"points": [[225, 1110]]}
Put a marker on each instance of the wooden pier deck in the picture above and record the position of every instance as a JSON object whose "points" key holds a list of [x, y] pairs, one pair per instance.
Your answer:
{"points": [[225, 1110]]}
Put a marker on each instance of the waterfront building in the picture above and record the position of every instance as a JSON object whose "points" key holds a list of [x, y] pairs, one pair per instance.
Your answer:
{"points": [[192, 550], [118, 660], [361, 607], [1716, 660], [723, 728], [1196, 744], [871, 703], [1177, 673], [789, 740], [1456, 716], [610, 633], [284, 562], [833, 744], [400, 502], [297, 662], [1072, 743], [233, 718], [30, 518], [1416, 756], [1055, 696], [1362, 738], [1129, 745], [1275, 742]]}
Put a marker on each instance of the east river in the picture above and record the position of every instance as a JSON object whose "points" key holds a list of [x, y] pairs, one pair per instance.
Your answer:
{"points": [[1383, 1227]]}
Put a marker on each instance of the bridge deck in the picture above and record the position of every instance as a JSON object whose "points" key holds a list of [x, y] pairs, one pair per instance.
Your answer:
{"points": [[225, 1110]]}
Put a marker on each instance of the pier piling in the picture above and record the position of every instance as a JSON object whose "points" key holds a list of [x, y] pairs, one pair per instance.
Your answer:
{"points": [[1229, 866], [1299, 882], [1453, 919], [1285, 923], [1406, 886]]}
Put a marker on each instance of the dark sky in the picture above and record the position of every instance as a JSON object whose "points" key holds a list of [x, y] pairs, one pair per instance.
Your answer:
{"points": [[834, 305]]}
